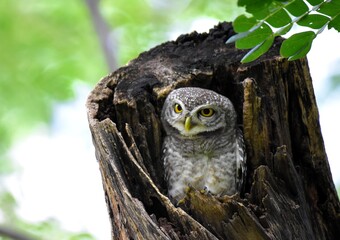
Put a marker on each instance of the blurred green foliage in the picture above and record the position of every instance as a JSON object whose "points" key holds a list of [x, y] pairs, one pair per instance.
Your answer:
{"points": [[335, 82], [142, 24], [45, 47]]}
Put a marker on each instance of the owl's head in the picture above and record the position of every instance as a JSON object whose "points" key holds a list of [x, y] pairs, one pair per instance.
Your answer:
{"points": [[191, 111]]}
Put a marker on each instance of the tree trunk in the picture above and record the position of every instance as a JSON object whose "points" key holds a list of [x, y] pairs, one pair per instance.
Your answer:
{"points": [[289, 192]]}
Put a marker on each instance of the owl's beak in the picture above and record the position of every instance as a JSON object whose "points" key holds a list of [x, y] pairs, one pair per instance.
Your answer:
{"points": [[187, 124]]}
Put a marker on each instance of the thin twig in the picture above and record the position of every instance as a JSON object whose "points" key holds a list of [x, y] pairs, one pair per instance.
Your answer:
{"points": [[103, 33], [13, 234]]}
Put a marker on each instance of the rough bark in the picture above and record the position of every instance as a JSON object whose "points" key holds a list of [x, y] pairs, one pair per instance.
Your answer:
{"points": [[289, 192]]}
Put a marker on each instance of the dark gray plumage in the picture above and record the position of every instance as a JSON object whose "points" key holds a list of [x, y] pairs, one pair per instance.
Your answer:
{"points": [[203, 148]]}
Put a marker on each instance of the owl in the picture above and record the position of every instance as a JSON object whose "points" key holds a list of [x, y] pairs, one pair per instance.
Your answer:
{"points": [[203, 147]]}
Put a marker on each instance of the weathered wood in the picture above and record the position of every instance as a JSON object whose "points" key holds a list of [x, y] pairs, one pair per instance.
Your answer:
{"points": [[289, 192]]}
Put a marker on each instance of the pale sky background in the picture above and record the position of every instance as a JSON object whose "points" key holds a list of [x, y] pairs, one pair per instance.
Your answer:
{"points": [[58, 174]]}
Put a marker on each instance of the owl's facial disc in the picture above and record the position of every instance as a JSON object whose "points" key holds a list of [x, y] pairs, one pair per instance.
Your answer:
{"points": [[197, 112]]}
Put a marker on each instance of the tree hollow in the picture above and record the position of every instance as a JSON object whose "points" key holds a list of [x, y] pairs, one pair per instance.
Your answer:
{"points": [[289, 191]]}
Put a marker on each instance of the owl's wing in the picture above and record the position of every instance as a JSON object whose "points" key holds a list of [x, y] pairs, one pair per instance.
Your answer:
{"points": [[241, 158], [176, 171]]}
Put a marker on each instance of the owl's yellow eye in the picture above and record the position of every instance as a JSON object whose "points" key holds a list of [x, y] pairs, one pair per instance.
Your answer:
{"points": [[178, 108], [207, 112]]}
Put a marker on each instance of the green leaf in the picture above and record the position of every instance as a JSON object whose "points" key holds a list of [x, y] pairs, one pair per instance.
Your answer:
{"points": [[258, 8], [284, 30], [244, 3], [255, 37], [315, 21], [237, 37], [260, 12], [335, 23], [279, 19], [314, 2], [330, 8], [258, 50], [242, 23], [297, 45], [297, 8]]}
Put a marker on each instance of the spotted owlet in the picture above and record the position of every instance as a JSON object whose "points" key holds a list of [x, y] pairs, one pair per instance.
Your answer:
{"points": [[203, 147]]}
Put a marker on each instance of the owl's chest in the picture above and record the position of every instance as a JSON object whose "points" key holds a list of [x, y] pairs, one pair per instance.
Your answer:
{"points": [[198, 153], [199, 163], [205, 168], [198, 150], [206, 148]]}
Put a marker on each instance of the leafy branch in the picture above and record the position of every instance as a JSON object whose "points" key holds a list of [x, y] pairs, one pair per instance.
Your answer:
{"points": [[272, 18]]}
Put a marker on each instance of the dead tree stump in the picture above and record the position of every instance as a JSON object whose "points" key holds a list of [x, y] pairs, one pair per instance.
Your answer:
{"points": [[289, 192]]}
